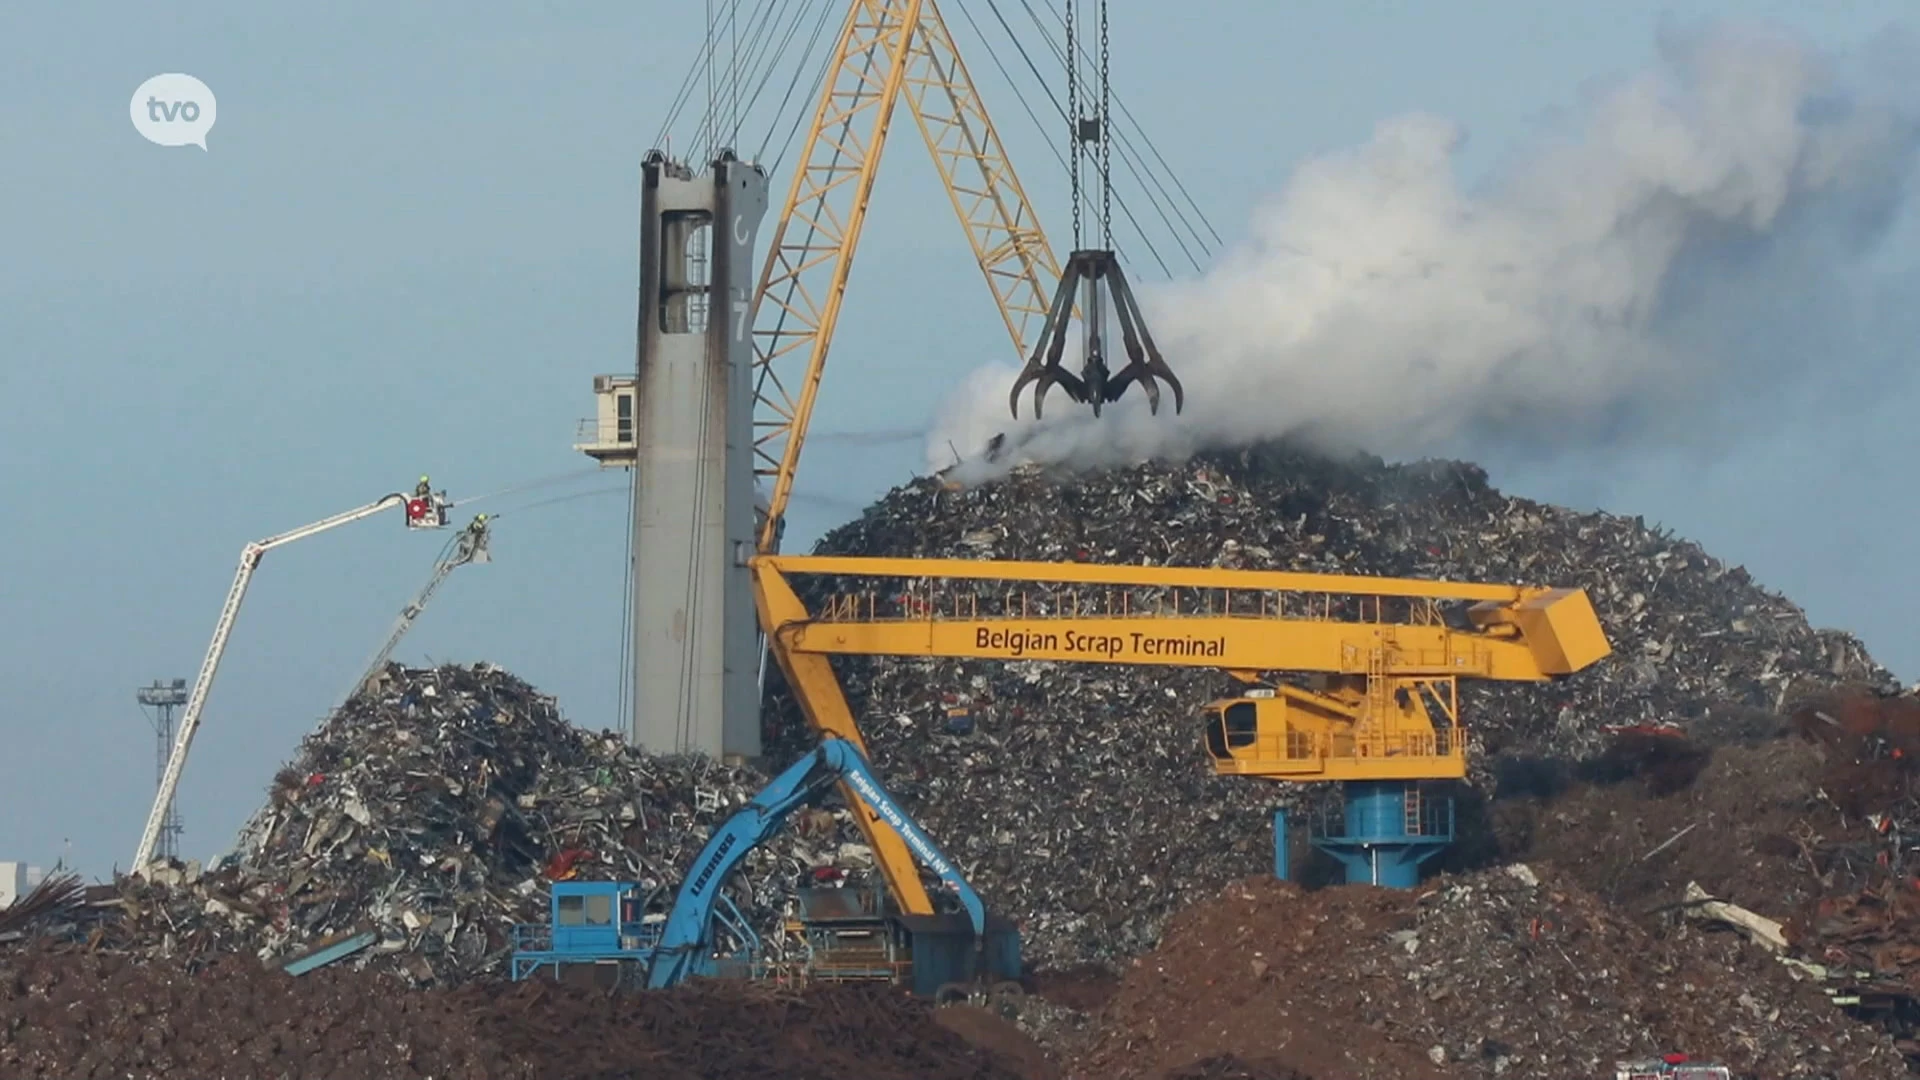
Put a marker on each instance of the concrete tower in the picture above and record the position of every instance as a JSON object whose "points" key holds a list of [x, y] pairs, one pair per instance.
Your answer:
{"points": [[695, 633]]}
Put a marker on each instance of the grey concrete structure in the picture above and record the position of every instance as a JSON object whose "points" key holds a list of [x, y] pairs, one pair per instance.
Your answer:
{"points": [[695, 633]]}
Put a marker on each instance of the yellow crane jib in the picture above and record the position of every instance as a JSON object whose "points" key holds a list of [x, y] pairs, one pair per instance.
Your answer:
{"points": [[1376, 661], [1380, 702], [889, 52], [1094, 385]]}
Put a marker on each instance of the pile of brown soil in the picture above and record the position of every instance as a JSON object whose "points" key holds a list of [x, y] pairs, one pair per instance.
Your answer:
{"points": [[1752, 828], [1775, 824], [69, 1016], [1511, 972], [1000, 1037]]}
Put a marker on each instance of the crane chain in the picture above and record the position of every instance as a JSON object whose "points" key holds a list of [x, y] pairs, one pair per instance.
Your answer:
{"points": [[1073, 120], [1106, 142]]}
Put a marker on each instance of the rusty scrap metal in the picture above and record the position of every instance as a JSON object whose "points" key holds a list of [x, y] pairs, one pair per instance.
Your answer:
{"points": [[1079, 797], [434, 809]]}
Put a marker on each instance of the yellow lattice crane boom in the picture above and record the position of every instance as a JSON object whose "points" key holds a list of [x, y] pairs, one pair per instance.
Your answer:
{"points": [[887, 50], [1381, 657]]}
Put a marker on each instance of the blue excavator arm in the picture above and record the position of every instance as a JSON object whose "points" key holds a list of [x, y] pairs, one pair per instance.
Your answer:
{"points": [[687, 938]]}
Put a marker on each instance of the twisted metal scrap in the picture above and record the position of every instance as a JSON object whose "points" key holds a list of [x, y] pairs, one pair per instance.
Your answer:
{"points": [[55, 895]]}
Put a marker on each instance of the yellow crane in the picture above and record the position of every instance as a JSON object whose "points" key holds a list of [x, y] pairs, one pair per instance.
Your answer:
{"points": [[1382, 657], [887, 50], [1379, 711], [893, 49]]}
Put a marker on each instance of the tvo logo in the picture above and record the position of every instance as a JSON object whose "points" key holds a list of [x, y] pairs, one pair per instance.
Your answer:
{"points": [[173, 110]]}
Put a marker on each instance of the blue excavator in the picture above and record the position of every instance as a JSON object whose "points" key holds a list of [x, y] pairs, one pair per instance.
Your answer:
{"points": [[844, 934]]}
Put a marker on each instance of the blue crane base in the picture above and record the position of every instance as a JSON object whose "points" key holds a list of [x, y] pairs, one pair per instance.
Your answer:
{"points": [[1385, 831]]}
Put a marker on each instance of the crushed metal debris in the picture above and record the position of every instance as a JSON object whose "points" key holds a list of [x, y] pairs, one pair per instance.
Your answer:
{"points": [[1696, 881], [1079, 796], [434, 810]]}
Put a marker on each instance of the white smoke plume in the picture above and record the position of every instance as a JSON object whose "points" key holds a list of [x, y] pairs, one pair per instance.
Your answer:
{"points": [[1689, 238]]}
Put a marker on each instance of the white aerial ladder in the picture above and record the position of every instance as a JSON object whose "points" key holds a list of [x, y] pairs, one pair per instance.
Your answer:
{"points": [[469, 547], [425, 509]]}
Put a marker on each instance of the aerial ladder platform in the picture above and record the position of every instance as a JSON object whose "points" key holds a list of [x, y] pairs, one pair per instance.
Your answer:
{"points": [[424, 508], [469, 546]]}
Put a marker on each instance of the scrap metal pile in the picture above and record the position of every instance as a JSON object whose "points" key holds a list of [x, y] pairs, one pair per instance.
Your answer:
{"points": [[56, 900], [1510, 972], [435, 809], [1080, 798]]}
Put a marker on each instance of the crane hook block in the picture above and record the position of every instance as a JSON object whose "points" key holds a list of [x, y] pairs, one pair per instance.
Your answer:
{"points": [[1090, 271]]}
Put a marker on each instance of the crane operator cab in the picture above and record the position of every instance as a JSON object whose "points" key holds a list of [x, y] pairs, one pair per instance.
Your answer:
{"points": [[1334, 728], [427, 508], [1251, 735]]}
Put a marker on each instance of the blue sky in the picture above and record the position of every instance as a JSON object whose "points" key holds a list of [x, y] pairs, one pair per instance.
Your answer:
{"points": [[411, 245]]}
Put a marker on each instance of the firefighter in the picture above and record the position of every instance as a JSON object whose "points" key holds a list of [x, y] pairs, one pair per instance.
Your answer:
{"points": [[474, 535], [423, 489]]}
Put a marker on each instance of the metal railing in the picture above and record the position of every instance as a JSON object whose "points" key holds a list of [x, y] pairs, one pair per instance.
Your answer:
{"points": [[1435, 818], [603, 433], [957, 602], [1296, 745], [538, 937]]}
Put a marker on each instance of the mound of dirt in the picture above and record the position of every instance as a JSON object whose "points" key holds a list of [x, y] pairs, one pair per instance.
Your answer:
{"points": [[68, 1015], [1511, 972], [1228, 1067], [1773, 823], [1754, 827], [1001, 1037]]}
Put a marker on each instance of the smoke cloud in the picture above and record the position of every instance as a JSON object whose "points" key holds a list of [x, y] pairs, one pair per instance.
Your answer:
{"points": [[1686, 247]]}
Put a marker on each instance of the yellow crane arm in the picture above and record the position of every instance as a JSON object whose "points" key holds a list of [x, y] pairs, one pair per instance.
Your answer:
{"points": [[1203, 617], [1383, 656], [885, 47], [1001, 225], [810, 676], [1237, 643], [805, 277]]}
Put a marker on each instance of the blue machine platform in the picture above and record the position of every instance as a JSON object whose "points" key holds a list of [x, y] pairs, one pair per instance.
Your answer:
{"points": [[600, 922], [1382, 834]]}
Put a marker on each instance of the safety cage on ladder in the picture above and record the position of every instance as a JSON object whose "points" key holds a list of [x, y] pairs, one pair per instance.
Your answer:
{"points": [[427, 508]]}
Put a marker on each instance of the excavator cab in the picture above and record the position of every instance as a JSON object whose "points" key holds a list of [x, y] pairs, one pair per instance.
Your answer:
{"points": [[427, 508]]}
